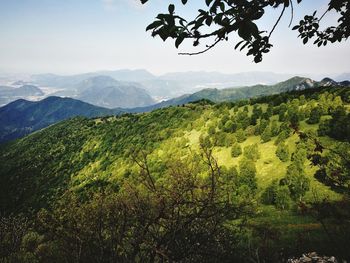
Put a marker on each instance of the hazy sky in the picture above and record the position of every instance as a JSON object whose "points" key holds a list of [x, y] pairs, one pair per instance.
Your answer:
{"points": [[73, 36]]}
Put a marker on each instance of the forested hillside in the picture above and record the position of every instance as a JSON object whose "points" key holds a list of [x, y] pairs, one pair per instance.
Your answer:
{"points": [[253, 180], [22, 117]]}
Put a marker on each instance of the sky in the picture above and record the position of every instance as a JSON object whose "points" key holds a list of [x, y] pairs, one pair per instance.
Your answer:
{"points": [[76, 36]]}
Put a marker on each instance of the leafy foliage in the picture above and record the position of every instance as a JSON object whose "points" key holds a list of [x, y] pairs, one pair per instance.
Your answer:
{"points": [[221, 18]]}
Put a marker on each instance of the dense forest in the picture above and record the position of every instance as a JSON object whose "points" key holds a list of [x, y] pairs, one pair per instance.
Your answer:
{"points": [[255, 180]]}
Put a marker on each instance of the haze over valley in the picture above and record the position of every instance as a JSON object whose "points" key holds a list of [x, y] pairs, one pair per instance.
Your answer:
{"points": [[140, 87]]}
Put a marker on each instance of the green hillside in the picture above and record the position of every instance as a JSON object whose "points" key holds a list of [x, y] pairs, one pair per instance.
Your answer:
{"points": [[256, 155]]}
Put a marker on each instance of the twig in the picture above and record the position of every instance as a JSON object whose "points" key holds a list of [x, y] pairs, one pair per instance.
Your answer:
{"points": [[278, 20], [291, 13], [203, 51], [323, 15]]}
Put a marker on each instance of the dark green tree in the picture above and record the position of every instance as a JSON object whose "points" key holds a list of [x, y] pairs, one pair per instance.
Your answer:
{"points": [[236, 150], [282, 152], [282, 198], [275, 130], [315, 116], [266, 135], [277, 195], [241, 135], [247, 173]]}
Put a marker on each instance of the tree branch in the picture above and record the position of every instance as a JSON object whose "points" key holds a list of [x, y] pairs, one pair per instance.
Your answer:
{"points": [[278, 20], [203, 51]]}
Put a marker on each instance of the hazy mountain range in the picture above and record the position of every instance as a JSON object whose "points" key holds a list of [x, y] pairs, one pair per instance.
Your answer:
{"points": [[168, 85], [22, 117], [107, 92], [132, 88], [8, 94]]}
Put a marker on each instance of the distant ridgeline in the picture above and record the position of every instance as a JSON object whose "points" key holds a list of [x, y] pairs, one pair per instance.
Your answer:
{"points": [[23, 117], [266, 177]]}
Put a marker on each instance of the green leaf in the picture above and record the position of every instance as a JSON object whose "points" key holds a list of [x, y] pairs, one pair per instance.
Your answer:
{"points": [[179, 40], [155, 24], [209, 20]]}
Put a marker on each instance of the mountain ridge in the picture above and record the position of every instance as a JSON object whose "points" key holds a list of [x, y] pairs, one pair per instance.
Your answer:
{"points": [[215, 95], [21, 117]]}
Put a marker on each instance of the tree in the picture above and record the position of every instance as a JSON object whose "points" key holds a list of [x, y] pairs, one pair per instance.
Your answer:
{"points": [[256, 114], [282, 152], [179, 218], [277, 195], [269, 195], [240, 135], [275, 130], [247, 173], [251, 152], [263, 124], [266, 135], [236, 150], [297, 182], [315, 116], [282, 198], [339, 125], [221, 18], [230, 126], [211, 130]]}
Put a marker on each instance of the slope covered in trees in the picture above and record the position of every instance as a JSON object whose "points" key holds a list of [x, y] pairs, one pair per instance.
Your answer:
{"points": [[22, 117], [247, 92], [201, 182]]}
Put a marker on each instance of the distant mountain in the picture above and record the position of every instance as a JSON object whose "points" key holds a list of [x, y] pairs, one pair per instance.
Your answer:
{"points": [[70, 81], [107, 92], [343, 77], [136, 75], [179, 83], [234, 94], [22, 117], [25, 90], [20, 83], [222, 79], [169, 85], [8, 94]]}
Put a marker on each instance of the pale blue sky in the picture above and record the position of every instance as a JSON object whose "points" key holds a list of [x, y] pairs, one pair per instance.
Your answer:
{"points": [[73, 36]]}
